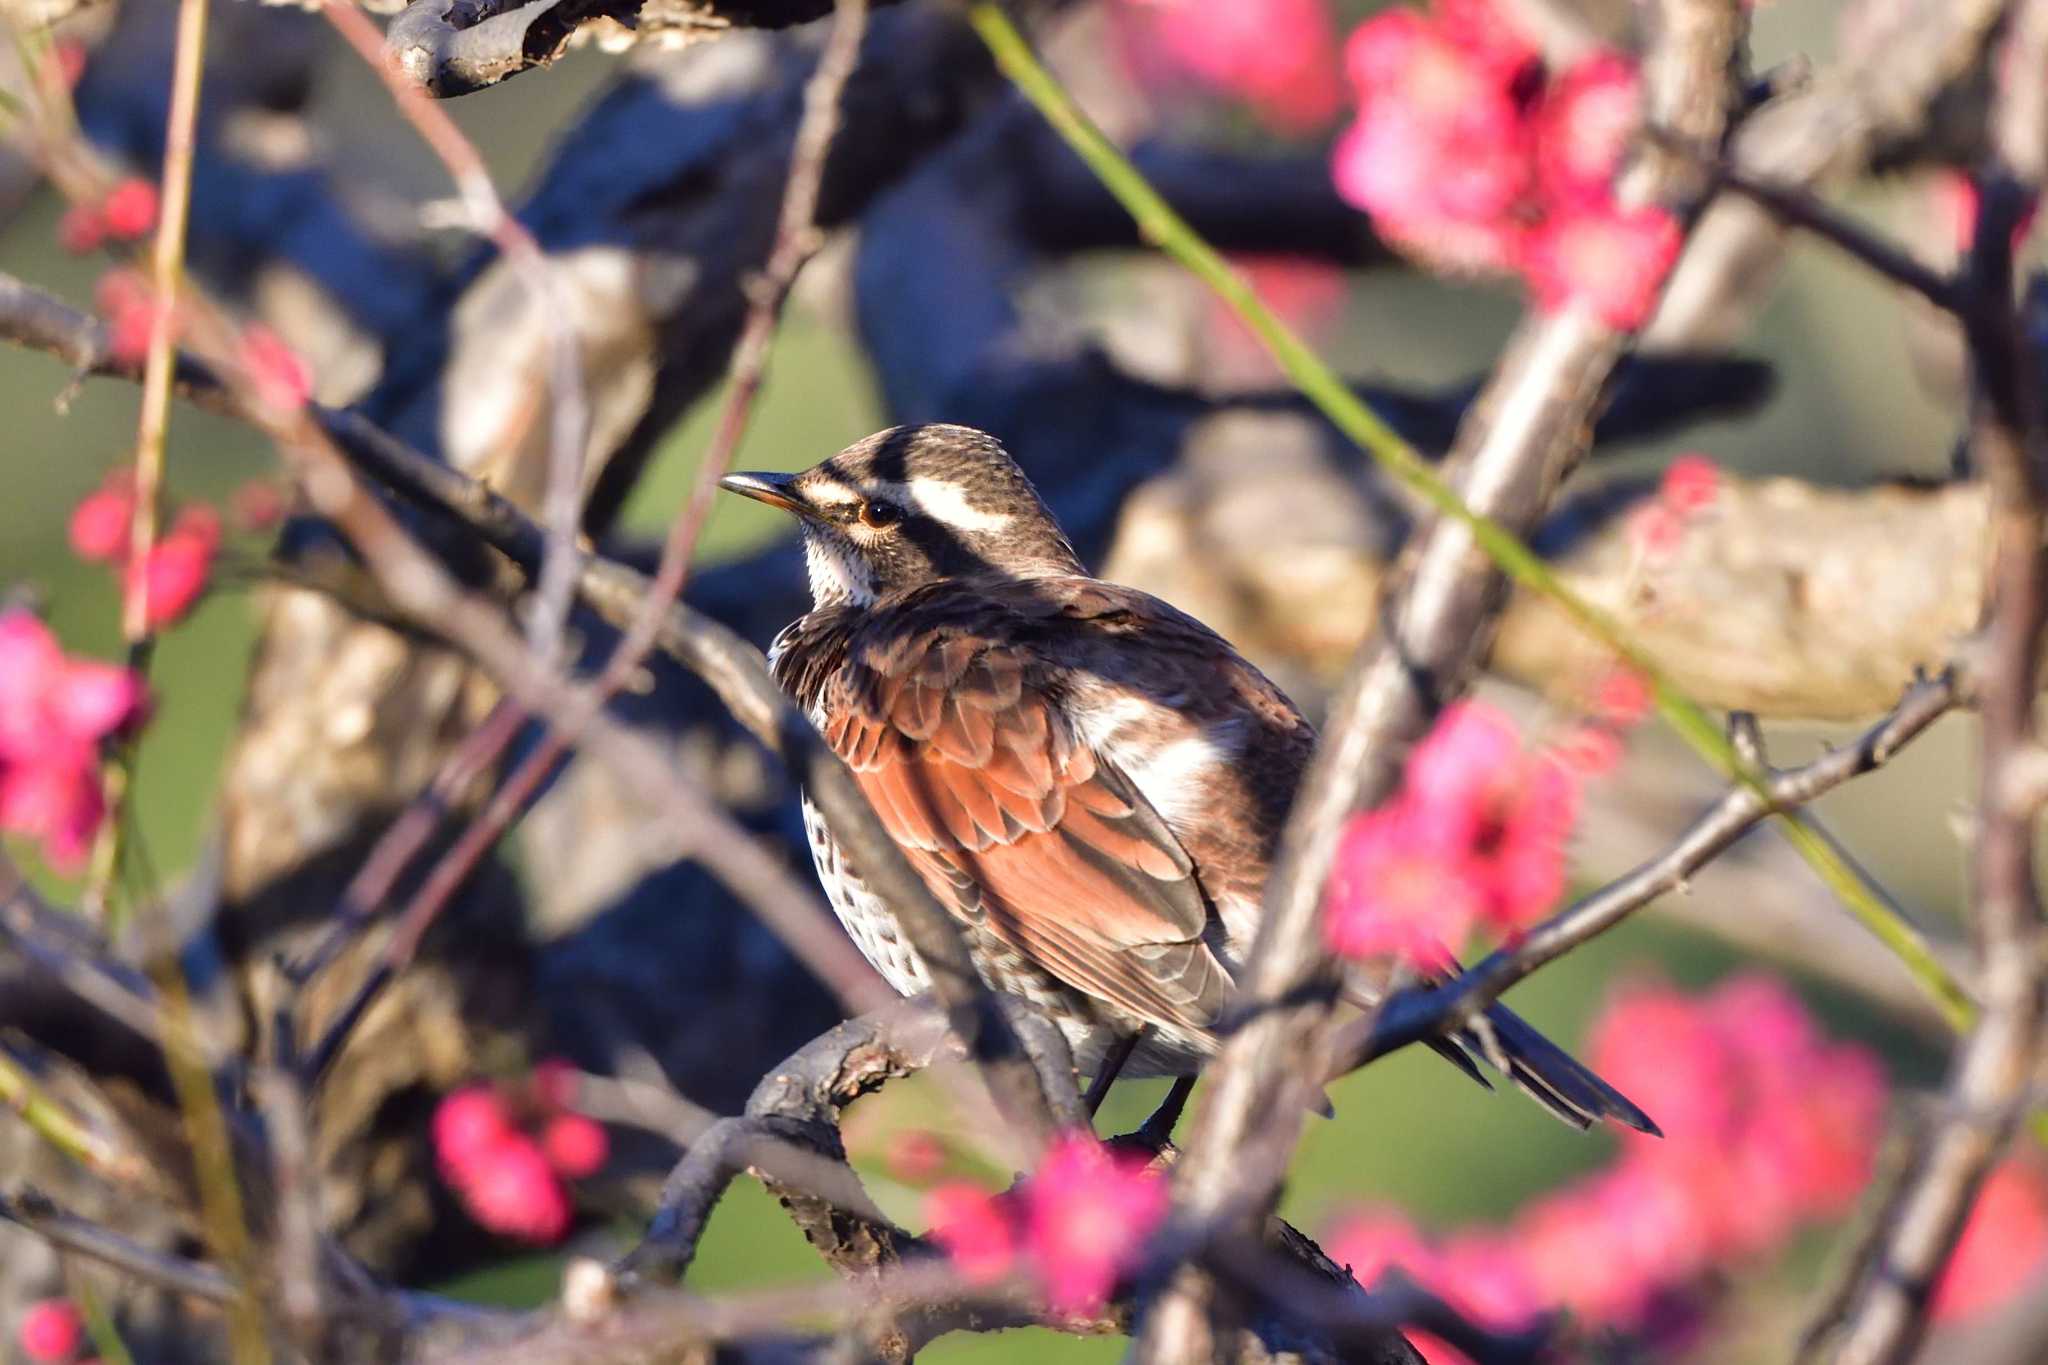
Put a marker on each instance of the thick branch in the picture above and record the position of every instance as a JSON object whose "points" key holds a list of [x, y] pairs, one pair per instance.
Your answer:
{"points": [[457, 47], [1528, 429]]}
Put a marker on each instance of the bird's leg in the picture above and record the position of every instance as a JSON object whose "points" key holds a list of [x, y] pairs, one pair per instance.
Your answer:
{"points": [[1105, 1075], [1158, 1130]]}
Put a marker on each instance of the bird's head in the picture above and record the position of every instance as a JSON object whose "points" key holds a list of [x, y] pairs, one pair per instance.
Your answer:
{"points": [[914, 505]]}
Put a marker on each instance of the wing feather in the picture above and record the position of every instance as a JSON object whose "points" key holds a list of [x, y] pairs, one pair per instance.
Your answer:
{"points": [[1018, 825]]}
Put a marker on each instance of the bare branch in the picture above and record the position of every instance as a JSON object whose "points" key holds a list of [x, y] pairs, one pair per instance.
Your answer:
{"points": [[82, 1237]]}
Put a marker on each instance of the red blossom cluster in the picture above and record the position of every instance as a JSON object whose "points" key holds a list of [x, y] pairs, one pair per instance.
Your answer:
{"points": [[52, 1332], [128, 301], [1275, 55], [1308, 295], [1957, 202], [2004, 1246], [1078, 1223], [127, 213], [273, 370], [1475, 836], [170, 578], [1473, 157], [1690, 487], [1769, 1127], [257, 505], [506, 1152], [55, 713]]}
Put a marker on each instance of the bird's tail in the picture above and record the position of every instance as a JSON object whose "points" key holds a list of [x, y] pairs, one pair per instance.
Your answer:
{"points": [[1557, 1080]]}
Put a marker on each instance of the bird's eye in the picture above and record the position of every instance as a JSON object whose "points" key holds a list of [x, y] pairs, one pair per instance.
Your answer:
{"points": [[878, 514]]}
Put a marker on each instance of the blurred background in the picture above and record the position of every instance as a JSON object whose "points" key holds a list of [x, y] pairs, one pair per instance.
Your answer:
{"points": [[1848, 410]]}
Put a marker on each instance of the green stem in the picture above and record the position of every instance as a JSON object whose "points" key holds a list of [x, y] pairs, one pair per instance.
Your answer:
{"points": [[57, 1126], [1159, 224]]}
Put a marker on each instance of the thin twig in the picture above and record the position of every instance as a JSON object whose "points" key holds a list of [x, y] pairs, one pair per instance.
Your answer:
{"points": [[569, 406], [61, 1128], [1420, 1013], [1800, 209], [82, 1237], [167, 257], [402, 841]]}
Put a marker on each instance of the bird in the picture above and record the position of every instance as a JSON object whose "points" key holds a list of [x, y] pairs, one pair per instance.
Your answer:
{"points": [[1092, 782]]}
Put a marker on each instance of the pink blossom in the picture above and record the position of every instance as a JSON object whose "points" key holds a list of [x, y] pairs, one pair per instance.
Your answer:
{"points": [[1488, 28], [1770, 1124], [1566, 1241], [575, 1145], [1484, 1276], [81, 229], [273, 370], [1273, 54], [1609, 259], [129, 209], [68, 57], [466, 1123], [1622, 697], [170, 578], [1505, 813], [1370, 1242], [1690, 485], [54, 714], [256, 505], [1386, 167], [1654, 530], [1086, 1219], [1392, 894], [51, 1330], [2003, 1248], [915, 1156], [1588, 750], [1309, 295], [976, 1230], [1658, 1047], [1957, 200], [1440, 154], [1480, 1274], [1373, 1242], [1587, 118], [128, 302], [554, 1083], [104, 518], [508, 1187]]}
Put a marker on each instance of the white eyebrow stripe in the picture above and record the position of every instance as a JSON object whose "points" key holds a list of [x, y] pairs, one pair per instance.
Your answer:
{"points": [[943, 501]]}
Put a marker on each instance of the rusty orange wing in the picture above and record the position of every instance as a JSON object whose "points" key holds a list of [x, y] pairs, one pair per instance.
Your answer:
{"points": [[1018, 826]]}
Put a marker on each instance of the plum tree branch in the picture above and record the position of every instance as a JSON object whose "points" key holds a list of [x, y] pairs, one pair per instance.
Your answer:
{"points": [[1992, 1072], [1419, 1013]]}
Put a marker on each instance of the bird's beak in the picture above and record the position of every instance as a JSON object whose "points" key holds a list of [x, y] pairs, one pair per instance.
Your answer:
{"points": [[773, 489]]}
